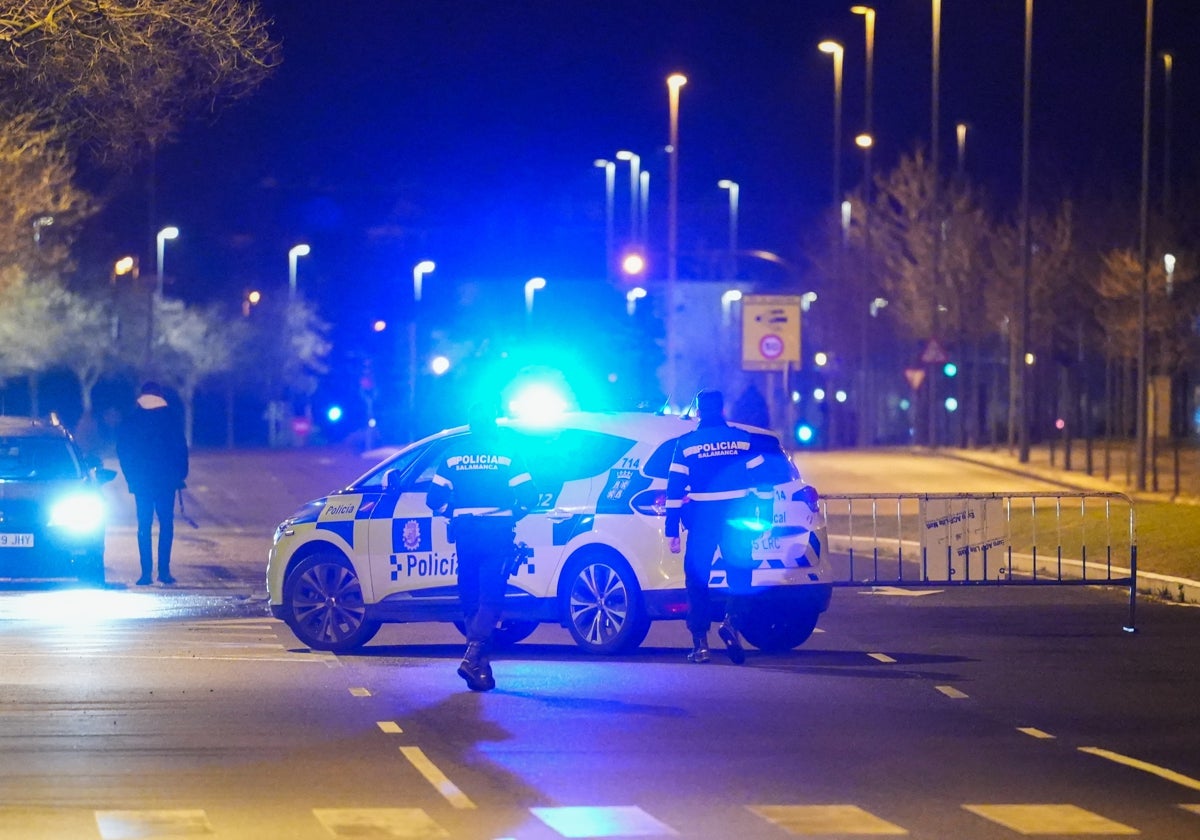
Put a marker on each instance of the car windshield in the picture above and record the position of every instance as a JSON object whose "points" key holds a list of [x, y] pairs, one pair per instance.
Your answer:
{"points": [[36, 459]]}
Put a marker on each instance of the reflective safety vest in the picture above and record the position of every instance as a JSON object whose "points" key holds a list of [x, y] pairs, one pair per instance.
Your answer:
{"points": [[714, 463], [482, 474]]}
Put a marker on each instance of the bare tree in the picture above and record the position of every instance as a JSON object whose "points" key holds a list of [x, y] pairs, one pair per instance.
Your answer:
{"points": [[119, 74]]}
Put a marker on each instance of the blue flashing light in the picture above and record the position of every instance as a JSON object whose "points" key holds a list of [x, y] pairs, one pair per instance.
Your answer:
{"points": [[950, 369], [334, 413], [805, 434], [537, 402]]}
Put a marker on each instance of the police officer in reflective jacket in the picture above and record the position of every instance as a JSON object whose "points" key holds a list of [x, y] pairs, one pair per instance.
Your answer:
{"points": [[482, 486], [715, 467]]}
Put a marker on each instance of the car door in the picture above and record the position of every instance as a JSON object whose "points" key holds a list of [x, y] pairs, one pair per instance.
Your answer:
{"points": [[407, 543]]}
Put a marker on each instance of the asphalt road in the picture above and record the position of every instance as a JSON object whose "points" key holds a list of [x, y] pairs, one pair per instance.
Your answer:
{"points": [[963, 713]]}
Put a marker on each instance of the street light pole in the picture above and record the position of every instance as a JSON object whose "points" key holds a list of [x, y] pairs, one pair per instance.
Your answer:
{"points": [[835, 49], [531, 286], [161, 240], [1026, 248], [419, 271], [610, 183], [294, 254], [1143, 375], [635, 163], [674, 82], [734, 192]]}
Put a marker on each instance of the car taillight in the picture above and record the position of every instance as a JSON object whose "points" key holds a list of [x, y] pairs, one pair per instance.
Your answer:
{"points": [[808, 494]]}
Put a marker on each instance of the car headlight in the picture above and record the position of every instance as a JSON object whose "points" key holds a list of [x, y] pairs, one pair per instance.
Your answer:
{"points": [[79, 513]]}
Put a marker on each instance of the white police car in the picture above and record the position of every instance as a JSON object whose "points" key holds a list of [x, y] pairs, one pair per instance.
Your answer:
{"points": [[597, 561]]}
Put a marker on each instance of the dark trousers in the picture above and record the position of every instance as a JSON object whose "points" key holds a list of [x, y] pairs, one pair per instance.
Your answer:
{"points": [[712, 525], [485, 545], [162, 504]]}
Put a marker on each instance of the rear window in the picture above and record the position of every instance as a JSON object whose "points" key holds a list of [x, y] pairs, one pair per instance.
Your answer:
{"points": [[37, 459]]}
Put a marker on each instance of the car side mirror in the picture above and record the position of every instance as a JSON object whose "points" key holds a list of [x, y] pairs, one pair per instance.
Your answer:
{"points": [[391, 480], [104, 475]]}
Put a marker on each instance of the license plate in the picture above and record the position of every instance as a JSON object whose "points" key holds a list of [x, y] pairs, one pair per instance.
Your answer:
{"points": [[16, 540]]}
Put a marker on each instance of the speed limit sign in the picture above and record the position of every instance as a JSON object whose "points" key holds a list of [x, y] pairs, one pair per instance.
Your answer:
{"points": [[770, 331]]}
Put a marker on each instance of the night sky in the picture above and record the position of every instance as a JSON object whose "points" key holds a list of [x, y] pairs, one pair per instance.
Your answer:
{"points": [[465, 132]]}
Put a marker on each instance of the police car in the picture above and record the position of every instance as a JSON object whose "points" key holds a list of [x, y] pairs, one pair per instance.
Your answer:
{"points": [[591, 555]]}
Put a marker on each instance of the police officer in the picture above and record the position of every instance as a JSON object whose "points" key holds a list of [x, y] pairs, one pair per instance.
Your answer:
{"points": [[715, 468], [482, 486]]}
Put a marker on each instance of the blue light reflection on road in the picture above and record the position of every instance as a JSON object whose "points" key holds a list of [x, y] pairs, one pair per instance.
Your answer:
{"points": [[79, 607]]}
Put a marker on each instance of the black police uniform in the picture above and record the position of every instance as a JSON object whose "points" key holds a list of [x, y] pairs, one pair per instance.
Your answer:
{"points": [[483, 486], [715, 467]]}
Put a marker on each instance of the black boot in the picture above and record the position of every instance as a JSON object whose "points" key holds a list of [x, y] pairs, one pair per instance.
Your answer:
{"points": [[475, 669], [700, 651], [733, 645], [146, 579]]}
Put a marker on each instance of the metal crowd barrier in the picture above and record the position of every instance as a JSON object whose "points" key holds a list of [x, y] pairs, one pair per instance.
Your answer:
{"points": [[983, 539]]}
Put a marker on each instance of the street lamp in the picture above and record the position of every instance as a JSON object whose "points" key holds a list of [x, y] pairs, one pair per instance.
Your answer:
{"points": [[632, 297], [674, 82], [835, 49], [1143, 379], [1168, 59], [869, 99], [610, 183], [960, 136], [163, 235], [419, 271], [531, 286], [734, 191], [644, 214], [635, 163], [294, 254]]}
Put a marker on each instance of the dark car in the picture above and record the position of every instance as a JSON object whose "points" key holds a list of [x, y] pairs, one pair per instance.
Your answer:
{"points": [[52, 512]]}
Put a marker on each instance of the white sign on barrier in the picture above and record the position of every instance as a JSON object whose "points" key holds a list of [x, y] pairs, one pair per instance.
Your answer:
{"points": [[955, 534]]}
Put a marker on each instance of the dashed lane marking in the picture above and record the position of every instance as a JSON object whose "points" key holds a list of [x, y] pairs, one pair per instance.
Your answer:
{"points": [[390, 727], [881, 657], [1137, 764], [1035, 733], [360, 692], [1049, 819], [952, 692], [417, 758]]}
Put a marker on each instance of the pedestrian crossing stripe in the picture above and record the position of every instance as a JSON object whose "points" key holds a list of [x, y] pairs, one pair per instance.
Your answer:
{"points": [[846, 820], [806, 820], [1049, 819]]}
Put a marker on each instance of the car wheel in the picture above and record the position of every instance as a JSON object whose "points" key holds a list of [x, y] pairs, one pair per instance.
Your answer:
{"points": [[323, 604], [776, 632], [510, 632], [90, 570], [602, 603]]}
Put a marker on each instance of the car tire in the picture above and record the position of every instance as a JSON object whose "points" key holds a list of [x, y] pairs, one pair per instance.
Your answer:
{"points": [[510, 632], [774, 631], [602, 603], [323, 604]]}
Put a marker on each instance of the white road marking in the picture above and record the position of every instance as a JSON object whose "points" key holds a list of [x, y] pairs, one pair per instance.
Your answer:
{"points": [[390, 727], [360, 692], [881, 657], [825, 819], [1035, 733], [899, 590], [436, 777], [951, 692], [1049, 819], [1137, 764]]}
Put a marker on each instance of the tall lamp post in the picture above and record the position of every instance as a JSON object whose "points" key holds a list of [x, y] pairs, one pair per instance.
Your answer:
{"points": [[419, 271], [610, 184], [161, 241], [1143, 377], [1022, 400], [635, 163], [674, 82], [294, 254], [835, 49], [734, 192], [869, 94], [532, 285]]}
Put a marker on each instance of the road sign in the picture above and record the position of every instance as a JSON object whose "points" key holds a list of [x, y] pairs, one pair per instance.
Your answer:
{"points": [[770, 331], [934, 354], [915, 377]]}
